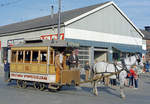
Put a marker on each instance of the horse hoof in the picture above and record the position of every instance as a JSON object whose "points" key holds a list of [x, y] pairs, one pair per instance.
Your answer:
{"points": [[96, 94], [123, 97]]}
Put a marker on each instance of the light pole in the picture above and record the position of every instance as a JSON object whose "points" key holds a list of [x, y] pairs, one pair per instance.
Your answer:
{"points": [[59, 11]]}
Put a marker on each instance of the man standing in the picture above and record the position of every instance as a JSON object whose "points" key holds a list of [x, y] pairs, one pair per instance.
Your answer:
{"points": [[58, 66], [131, 76], [61, 56], [73, 60], [7, 71]]}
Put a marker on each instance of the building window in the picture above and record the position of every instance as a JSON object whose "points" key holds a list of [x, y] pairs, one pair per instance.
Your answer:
{"points": [[83, 54], [4, 53]]}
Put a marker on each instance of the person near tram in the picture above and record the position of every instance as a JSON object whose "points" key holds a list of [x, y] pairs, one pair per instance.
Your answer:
{"points": [[135, 79], [147, 66], [58, 67], [61, 56], [6, 70], [73, 60], [87, 69]]}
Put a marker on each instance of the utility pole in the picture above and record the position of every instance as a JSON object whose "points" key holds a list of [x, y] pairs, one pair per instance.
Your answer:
{"points": [[59, 11]]}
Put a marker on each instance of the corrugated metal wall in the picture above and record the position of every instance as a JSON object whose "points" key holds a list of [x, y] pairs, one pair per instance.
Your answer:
{"points": [[107, 20]]}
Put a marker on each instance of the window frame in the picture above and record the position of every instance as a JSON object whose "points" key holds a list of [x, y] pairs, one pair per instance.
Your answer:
{"points": [[40, 61], [37, 57], [12, 56], [27, 62], [18, 56], [53, 57]]}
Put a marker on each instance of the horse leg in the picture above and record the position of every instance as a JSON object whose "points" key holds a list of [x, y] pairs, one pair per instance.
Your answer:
{"points": [[95, 91], [122, 89]]}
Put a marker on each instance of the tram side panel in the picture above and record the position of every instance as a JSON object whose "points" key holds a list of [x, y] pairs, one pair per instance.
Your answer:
{"points": [[30, 70], [24, 67]]}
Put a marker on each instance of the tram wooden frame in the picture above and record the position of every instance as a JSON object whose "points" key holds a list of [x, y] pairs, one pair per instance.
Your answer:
{"points": [[31, 70]]}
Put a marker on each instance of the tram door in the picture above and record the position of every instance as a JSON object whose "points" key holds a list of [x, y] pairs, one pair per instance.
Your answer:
{"points": [[51, 62], [43, 58]]}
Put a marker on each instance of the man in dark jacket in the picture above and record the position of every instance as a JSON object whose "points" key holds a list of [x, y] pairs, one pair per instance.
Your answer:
{"points": [[73, 60], [7, 71]]}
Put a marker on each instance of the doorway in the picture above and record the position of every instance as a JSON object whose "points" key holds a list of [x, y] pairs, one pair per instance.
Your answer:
{"points": [[100, 55]]}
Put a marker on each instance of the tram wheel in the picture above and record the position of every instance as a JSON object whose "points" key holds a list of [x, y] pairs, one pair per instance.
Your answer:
{"points": [[36, 85], [21, 84], [40, 86], [24, 84]]}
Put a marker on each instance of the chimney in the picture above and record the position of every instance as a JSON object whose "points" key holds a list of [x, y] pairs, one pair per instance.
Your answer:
{"points": [[147, 28], [52, 12]]}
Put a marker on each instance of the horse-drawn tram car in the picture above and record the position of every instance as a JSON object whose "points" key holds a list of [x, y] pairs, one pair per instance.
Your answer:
{"points": [[33, 62]]}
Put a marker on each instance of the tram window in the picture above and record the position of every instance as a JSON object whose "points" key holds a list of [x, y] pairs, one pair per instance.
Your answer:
{"points": [[20, 56], [27, 56], [51, 57], [35, 57], [43, 57], [13, 56]]}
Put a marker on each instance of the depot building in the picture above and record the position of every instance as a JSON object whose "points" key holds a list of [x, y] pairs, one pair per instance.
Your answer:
{"points": [[103, 32]]}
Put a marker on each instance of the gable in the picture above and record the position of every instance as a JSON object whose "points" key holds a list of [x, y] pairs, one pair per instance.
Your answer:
{"points": [[107, 20]]}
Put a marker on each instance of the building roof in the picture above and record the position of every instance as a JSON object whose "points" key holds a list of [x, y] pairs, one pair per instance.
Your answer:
{"points": [[67, 17], [146, 34], [46, 20]]}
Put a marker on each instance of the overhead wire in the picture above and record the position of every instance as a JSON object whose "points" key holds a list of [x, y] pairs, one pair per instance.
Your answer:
{"points": [[9, 3]]}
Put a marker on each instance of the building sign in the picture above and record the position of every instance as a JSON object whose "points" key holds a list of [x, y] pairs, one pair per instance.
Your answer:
{"points": [[13, 42], [52, 36]]}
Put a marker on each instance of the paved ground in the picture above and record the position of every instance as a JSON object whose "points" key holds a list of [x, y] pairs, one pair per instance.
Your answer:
{"points": [[10, 94]]}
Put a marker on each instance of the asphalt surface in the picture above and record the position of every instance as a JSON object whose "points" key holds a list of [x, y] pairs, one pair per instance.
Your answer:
{"points": [[10, 94]]}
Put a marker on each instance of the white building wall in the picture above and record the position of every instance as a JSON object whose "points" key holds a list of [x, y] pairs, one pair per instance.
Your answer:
{"points": [[80, 34]]}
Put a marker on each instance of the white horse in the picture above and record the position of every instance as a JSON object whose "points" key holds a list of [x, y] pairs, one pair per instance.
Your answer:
{"points": [[104, 67]]}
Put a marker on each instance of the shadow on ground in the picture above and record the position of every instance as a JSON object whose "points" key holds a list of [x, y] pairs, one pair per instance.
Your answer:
{"points": [[147, 82]]}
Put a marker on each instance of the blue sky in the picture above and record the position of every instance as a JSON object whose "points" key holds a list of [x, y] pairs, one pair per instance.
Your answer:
{"points": [[12, 11]]}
